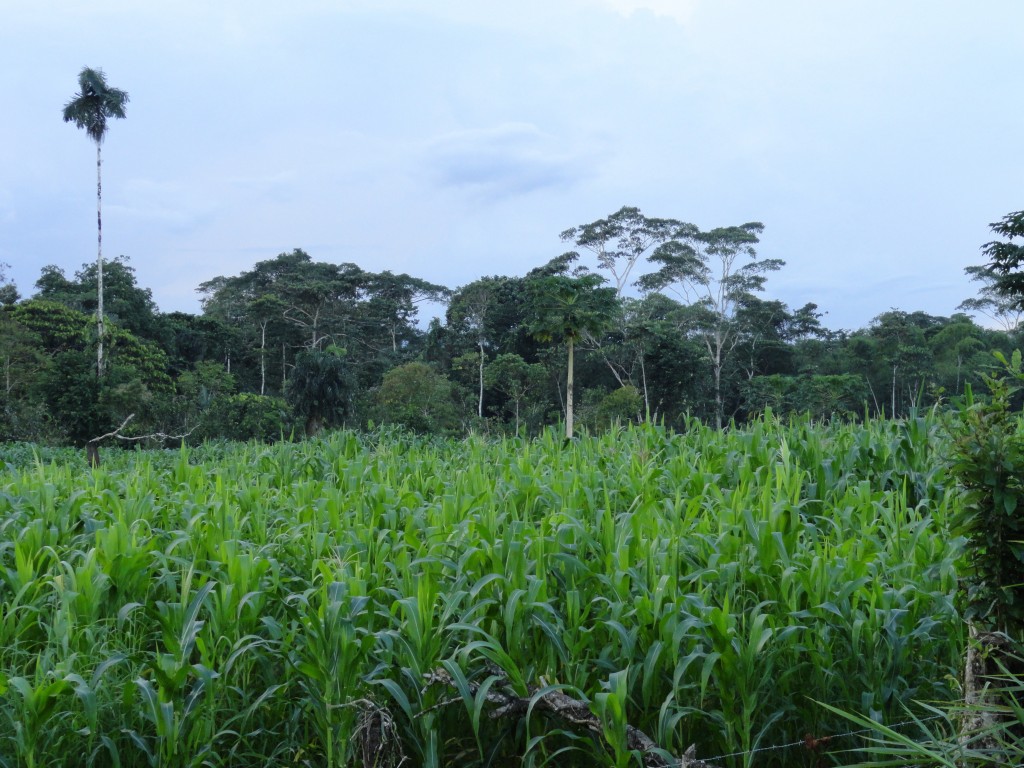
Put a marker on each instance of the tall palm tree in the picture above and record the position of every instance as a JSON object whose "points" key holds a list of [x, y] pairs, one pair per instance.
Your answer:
{"points": [[90, 108]]}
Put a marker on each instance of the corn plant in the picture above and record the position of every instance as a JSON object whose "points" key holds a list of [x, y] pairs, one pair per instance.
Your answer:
{"points": [[362, 594]]}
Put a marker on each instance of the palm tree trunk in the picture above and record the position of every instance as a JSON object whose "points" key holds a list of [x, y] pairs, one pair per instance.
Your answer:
{"points": [[99, 264], [568, 396]]}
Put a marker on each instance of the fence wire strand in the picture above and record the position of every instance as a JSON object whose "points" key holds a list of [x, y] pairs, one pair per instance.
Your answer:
{"points": [[830, 737]]}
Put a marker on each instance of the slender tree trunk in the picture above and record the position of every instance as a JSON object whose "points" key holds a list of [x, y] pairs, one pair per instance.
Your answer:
{"points": [[99, 265], [719, 406], [568, 396], [874, 398], [263, 357], [893, 414], [643, 381], [480, 403], [517, 416], [715, 352]]}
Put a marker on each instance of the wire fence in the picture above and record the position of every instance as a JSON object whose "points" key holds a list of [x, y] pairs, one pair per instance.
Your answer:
{"points": [[816, 745]]}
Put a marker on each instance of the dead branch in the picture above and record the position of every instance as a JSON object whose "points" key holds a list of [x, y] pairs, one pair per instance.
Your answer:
{"points": [[115, 433], [504, 702], [161, 436], [92, 448]]}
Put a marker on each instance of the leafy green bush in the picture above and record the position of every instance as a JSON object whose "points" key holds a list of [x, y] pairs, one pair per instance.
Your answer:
{"points": [[419, 398], [245, 417], [988, 450], [822, 397], [624, 405]]}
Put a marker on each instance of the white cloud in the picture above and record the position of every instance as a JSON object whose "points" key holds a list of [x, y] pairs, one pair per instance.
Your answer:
{"points": [[679, 11], [501, 161]]}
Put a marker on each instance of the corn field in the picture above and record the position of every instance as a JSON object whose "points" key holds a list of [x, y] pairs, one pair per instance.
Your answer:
{"points": [[362, 599]]}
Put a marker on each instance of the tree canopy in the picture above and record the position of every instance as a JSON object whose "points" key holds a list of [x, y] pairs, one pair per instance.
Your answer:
{"points": [[562, 342]]}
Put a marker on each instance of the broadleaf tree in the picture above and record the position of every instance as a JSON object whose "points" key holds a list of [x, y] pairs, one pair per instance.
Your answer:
{"points": [[1006, 256], [469, 312], [620, 240], [514, 378], [992, 300], [705, 269]]}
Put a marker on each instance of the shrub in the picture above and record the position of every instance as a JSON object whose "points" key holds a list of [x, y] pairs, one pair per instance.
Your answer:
{"points": [[419, 398], [245, 417], [988, 450]]}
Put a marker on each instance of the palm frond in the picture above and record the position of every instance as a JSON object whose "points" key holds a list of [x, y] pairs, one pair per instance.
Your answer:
{"points": [[94, 103]]}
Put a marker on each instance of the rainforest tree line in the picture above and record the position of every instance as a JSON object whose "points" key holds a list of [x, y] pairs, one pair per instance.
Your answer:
{"points": [[295, 345]]}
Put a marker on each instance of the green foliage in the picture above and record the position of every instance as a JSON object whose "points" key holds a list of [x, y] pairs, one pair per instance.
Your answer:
{"points": [[622, 406], [320, 389], [94, 104], [1006, 257], [57, 326], [81, 406], [244, 416], [516, 379], [988, 453], [566, 310], [417, 397], [702, 267], [820, 397], [245, 604], [126, 304], [8, 290], [619, 240], [936, 737]]}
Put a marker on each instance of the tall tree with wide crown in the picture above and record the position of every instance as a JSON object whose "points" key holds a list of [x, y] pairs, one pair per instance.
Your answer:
{"points": [[90, 109]]}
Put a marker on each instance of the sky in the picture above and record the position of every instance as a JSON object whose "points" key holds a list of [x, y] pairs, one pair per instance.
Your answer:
{"points": [[452, 139]]}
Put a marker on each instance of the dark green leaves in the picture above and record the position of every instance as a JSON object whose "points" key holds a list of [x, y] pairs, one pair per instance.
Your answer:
{"points": [[988, 455], [94, 103]]}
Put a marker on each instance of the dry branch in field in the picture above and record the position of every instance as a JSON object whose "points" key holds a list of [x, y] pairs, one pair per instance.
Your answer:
{"points": [[576, 714], [92, 448]]}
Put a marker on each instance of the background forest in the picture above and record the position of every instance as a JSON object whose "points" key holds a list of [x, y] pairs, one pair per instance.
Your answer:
{"points": [[664, 320]]}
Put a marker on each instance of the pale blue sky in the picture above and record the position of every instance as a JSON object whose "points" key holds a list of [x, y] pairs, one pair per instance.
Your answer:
{"points": [[874, 139]]}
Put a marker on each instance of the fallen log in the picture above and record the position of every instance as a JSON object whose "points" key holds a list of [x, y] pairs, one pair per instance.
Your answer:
{"points": [[504, 702]]}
